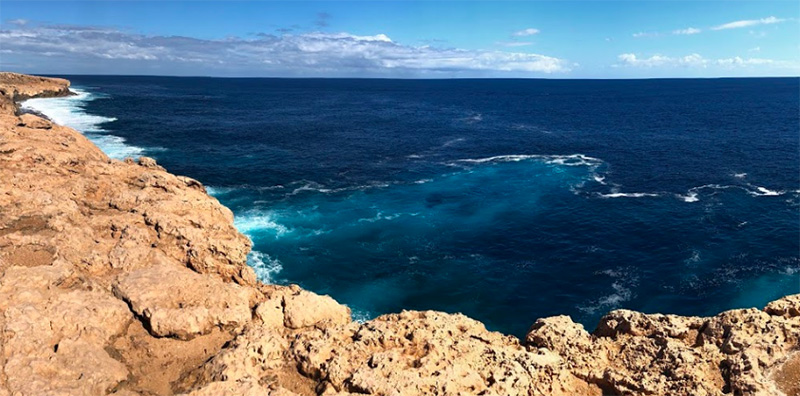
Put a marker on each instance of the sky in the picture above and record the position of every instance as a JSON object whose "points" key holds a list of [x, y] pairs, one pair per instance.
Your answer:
{"points": [[403, 39]]}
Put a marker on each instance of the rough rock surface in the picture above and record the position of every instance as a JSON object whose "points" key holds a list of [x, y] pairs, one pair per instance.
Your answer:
{"points": [[117, 277], [168, 309]]}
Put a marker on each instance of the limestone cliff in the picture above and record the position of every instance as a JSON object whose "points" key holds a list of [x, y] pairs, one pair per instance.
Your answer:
{"points": [[120, 278]]}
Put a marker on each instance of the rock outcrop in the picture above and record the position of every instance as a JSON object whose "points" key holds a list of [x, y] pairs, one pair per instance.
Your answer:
{"points": [[117, 277]]}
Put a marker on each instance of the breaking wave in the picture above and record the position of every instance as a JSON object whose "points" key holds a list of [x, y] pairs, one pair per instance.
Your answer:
{"points": [[70, 111], [265, 266]]}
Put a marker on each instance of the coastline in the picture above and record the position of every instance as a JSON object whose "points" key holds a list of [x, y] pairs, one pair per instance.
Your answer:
{"points": [[174, 307]]}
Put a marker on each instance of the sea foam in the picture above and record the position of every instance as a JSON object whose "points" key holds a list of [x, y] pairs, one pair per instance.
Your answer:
{"points": [[628, 195], [253, 221], [70, 111], [566, 160], [265, 266]]}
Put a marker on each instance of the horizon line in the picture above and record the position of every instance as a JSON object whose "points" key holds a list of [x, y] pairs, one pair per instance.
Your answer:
{"points": [[411, 78]]}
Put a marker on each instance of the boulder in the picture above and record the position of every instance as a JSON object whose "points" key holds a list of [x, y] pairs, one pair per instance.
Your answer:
{"points": [[173, 301]]}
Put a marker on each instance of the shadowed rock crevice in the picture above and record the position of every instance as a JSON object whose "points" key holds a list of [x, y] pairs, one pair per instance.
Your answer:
{"points": [[117, 277]]}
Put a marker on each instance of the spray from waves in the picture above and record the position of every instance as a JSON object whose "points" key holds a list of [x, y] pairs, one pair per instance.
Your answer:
{"points": [[628, 195], [593, 164], [566, 160], [218, 191], [70, 111], [254, 221], [265, 266], [750, 189], [361, 316], [765, 192], [691, 196], [623, 285]]}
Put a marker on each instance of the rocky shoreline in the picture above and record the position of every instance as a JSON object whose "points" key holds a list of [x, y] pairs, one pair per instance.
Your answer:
{"points": [[117, 277]]}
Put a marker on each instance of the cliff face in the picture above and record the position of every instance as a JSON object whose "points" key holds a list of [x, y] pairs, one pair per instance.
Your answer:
{"points": [[120, 278]]}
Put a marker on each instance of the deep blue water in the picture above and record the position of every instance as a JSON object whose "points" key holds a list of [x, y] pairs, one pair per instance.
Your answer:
{"points": [[506, 200]]}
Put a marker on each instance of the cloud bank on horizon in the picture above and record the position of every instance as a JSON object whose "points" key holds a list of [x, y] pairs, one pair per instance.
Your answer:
{"points": [[313, 53], [322, 49]]}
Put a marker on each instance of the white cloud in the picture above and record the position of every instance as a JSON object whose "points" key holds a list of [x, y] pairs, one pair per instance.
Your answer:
{"points": [[18, 22], [687, 31], [514, 43], [754, 49], [630, 59], [697, 61], [288, 54], [748, 22], [526, 32], [737, 61]]}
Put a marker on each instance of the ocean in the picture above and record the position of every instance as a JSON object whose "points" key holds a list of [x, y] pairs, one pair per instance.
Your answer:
{"points": [[505, 200]]}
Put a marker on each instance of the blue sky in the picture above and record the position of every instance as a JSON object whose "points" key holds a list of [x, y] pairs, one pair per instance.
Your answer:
{"points": [[555, 39]]}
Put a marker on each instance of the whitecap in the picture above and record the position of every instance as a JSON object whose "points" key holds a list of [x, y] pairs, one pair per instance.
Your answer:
{"points": [[249, 222], [476, 117], [567, 160], [695, 258], [622, 291], [310, 186], [320, 188], [69, 111], [115, 146], [628, 195], [753, 190], [360, 316], [599, 179], [452, 142], [691, 196], [218, 191], [379, 216], [264, 266], [740, 175], [765, 192]]}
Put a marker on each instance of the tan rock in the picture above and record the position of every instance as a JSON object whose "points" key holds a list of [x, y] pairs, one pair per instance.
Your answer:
{"points": [[34, 122], [421, 353], [238, 388], [174, 301], [305, 309], [53, 338], [148, 162], [788, 307], [270, 313]]}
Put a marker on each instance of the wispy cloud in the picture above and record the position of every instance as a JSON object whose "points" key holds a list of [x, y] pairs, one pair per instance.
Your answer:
{"points": [[687, 31], [525, 32], [749, 22], [514, 43], [697, 61], [267, 54], [646, 34], [731, 25], [630, 59], [18, 22]]}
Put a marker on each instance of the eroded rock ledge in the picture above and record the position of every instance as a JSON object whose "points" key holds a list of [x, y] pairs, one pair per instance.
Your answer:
{"points": [[120, 278]]}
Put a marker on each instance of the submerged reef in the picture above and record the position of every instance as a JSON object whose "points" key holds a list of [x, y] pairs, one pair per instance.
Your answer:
{"points": [[117, 277]]}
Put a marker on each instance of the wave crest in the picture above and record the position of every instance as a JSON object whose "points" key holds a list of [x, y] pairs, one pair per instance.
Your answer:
{"points": [[70, 111]]}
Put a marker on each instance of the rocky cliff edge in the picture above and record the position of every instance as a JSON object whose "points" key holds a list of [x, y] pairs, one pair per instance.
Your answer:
{"points": [[117, 277]]}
